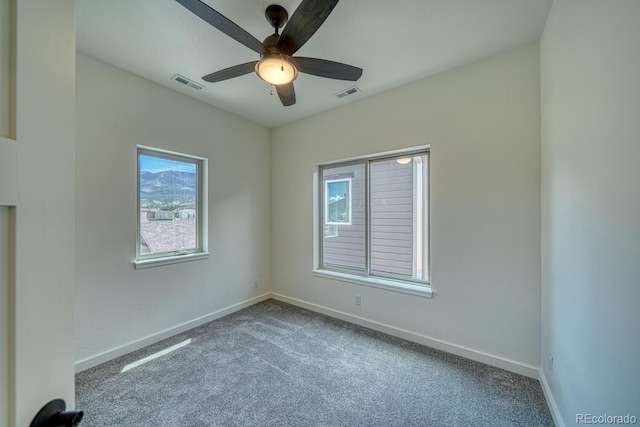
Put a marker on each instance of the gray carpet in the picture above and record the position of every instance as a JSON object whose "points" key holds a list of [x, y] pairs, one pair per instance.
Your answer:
{"points": [[274, 364]]}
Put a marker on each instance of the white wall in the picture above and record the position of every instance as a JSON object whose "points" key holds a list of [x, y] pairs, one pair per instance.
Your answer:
{"points": [[119, 308], [590, 63], [482, 122], [37, 177]]}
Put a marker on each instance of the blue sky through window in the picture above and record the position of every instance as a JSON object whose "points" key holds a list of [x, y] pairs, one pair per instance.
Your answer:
{"points": [[158, 164], [337, 190]]}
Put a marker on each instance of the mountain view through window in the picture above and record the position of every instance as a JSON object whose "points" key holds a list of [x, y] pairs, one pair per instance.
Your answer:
{"points": [[168, 204]]}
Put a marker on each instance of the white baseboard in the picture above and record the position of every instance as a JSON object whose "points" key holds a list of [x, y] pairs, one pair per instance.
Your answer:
{"points": [[468, 353], [478, 356], [551, 401], [97, 359]]}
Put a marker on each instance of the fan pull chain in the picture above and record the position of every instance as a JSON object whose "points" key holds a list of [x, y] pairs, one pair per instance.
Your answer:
{"points": [[271, 91]]}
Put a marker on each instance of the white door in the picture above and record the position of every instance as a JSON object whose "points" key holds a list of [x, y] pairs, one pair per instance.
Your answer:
{"points": [[6, 245], [37, 94]]}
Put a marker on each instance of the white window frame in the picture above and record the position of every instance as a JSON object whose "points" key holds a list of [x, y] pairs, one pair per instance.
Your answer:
{"points": [[201, 249], [422, 288]]}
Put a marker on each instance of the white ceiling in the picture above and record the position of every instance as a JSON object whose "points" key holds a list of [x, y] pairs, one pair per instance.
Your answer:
{"points": [[394, 42]]}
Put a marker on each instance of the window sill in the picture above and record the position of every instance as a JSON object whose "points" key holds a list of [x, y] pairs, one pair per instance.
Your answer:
{"points": [[156, 262], [376, 282]]}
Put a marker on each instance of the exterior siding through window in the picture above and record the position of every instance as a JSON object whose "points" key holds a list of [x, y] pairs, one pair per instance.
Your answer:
{"points": [[387, 233], [392, 228], [344, 244]]}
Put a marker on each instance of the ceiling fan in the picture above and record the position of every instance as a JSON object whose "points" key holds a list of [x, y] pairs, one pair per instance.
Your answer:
{"points": [[277, 65]]}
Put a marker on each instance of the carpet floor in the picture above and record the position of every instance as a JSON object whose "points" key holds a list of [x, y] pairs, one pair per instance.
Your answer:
{"points": [[274, 364]]}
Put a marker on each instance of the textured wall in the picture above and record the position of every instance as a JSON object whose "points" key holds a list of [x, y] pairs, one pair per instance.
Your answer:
{"points": [[590, 103], [117, 305], [482, 122]]}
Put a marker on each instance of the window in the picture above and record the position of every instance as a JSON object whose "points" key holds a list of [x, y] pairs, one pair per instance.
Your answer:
{"points": [[337, 201], [171, 207], [374, 220]]}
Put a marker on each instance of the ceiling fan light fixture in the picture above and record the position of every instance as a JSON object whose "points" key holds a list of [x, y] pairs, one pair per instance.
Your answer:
{"points": [[276, 70]]}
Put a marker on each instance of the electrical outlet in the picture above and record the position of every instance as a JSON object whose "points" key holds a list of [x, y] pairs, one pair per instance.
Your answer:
{"points": [[357, 300], [255, 284]]}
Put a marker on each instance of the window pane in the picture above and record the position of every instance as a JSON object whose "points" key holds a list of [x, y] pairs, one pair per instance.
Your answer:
{"points": [[343, 217], [168, 204], [399, 220], [338, 201]]}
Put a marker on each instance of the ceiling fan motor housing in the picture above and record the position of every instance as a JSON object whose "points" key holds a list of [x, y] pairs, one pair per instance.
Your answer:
{"points": [[271, 41]]}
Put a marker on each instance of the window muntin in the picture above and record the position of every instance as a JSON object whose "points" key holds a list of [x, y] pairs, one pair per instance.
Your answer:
{"points": [[170, 204], [390, 237]]}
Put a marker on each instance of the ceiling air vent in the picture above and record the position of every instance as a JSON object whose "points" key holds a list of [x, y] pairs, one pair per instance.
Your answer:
{"points": [[187, 82], [347, 92]]}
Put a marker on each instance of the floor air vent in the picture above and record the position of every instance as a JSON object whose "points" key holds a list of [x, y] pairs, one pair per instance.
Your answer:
{"points": [[187, 82], [347, 92]]}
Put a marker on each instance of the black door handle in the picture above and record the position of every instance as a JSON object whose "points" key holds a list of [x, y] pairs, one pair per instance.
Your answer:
{"points": [[53, 414]]}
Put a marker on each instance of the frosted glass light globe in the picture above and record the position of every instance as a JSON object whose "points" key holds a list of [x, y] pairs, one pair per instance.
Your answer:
{"points": [[276, 70]]}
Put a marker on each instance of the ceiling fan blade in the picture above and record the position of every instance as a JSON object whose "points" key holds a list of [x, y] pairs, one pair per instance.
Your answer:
{"points": [[304, 22], [231, 72], [223, 24], [287, 94], [327, 69]]}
